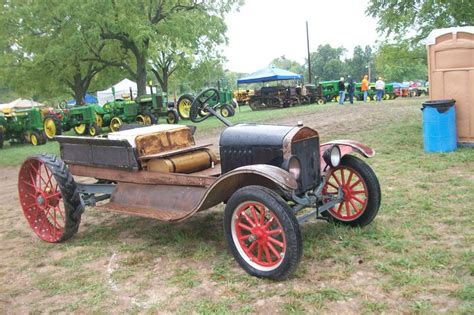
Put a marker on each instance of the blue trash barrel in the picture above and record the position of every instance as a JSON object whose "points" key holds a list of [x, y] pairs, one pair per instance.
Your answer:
{"points": [[439, 126]]}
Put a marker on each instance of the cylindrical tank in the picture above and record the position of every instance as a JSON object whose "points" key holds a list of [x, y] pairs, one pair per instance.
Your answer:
{"points": [[439, 126]]}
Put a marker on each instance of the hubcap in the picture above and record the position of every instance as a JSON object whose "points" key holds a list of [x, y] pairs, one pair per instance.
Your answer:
{"points": [[184, 107], [50, 128]]}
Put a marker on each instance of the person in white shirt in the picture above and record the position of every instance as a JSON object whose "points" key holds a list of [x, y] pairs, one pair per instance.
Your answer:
{"points": [[379, 89]]}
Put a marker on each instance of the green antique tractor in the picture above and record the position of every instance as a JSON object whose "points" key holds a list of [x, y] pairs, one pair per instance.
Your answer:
{"points": [[330, 90], [82, 119], [22, 125], [155, 105], [116, 113], [225, 98]]}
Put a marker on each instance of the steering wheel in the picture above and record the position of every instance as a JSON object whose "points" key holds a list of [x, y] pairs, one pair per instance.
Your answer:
{"points": [[63, 105], [206, 99]]}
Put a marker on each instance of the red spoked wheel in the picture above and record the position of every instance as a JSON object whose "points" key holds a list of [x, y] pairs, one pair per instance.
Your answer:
{"points": [[361, 192], [263, 233], [258, 235], [49, 198]]}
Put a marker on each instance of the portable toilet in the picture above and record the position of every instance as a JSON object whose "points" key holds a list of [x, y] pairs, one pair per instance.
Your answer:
{"points": [[451, 74]]}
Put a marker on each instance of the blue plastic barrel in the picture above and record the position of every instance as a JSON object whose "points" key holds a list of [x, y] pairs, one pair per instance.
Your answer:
{"points": [[439, 126]]}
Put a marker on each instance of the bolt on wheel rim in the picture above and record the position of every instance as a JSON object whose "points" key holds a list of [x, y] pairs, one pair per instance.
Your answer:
{"points": [[258, 236], [41, 201], [355, 193]]}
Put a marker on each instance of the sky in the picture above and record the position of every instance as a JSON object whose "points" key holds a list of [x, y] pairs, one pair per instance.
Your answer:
{"points": [[266, 29]]}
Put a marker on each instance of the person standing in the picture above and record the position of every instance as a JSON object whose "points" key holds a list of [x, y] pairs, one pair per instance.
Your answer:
{"points": [[365, 87], [350, 90], [342, 91], [379, 89]]}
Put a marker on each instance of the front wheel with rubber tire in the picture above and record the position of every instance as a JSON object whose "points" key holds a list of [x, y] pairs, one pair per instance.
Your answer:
{"points": [[227, 111], [52, 126], [81, 129], [361, 190], [115, 124], [263, 233], [49, 197], [172, 117], [95, 130], [184, 105]]}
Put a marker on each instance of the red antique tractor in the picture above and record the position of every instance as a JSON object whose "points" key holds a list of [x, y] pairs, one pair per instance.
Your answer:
{"points": [[266, 176]]}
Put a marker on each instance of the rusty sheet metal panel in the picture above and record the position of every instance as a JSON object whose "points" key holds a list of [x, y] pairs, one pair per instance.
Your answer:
{"points": [[451, 74], [184, 163], [162, 202], [164, 141], [141, 177], [98, 152], [176, 203], [346, 146]]}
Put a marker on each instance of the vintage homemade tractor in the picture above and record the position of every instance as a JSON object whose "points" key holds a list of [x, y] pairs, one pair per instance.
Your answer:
{"points": [[268, 97], [82, 119], [21, 125], [155, 105], [315, 94], [243, 96], [272, 179]]}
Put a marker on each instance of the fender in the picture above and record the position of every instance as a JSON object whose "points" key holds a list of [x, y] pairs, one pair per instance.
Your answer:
{"points": [[260, 174], [346, 146]]}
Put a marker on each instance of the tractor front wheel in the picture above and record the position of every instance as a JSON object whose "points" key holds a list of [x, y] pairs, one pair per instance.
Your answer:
{"points": [[38, 137], [52, 126], [361, 192], [263, 233], [115, 124], [172, 117], [49, 197], [184, 105], [81, 129], [227, 111], [94, 130]]}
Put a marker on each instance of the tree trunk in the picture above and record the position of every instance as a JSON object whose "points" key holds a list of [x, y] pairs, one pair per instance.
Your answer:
{"points": [[141, 74], [79, 91]]}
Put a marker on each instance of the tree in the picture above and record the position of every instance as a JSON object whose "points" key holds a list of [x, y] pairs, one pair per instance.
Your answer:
{"points": [[45, 51], [137, 24], [399, 16], [326, 62], [357, 66], [402, 62], [187, 39]]}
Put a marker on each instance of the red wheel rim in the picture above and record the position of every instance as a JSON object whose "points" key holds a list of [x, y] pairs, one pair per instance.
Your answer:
{"points": [[258, 236], [355, 193], [41, 200]]}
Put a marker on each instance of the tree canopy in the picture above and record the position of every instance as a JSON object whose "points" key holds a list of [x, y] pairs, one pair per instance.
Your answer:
{"points": [[399, 17]]}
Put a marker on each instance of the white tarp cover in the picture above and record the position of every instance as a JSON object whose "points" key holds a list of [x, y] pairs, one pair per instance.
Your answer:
{"points": [[20, 103], [122, 90]]}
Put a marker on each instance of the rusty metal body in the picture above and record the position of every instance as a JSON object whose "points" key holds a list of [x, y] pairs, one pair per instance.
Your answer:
{"points": [[167, 177]]}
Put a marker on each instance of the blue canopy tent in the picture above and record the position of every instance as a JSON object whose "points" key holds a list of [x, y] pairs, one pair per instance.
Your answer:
{"points": [[269, 74], [89, 99]]}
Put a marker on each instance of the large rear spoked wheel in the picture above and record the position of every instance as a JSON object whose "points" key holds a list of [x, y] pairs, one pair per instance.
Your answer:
{"points": [[361, 190], [49, 197], [263, 233]]}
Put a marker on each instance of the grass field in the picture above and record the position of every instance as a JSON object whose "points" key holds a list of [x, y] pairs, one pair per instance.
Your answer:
{"points": [[416, 257]]}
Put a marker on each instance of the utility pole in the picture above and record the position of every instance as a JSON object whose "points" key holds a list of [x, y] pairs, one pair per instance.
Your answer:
{"points": [[309, 57]]}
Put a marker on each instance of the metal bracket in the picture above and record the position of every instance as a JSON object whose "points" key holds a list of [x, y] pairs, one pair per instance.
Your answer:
{"points": [[325, 207], [95, 188]]}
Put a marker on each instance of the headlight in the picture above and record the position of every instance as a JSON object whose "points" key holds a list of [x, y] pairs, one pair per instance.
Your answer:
{"points": [[293, 167], [332, 156]]}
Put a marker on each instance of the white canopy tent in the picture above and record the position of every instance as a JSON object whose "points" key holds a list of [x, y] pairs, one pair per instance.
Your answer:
{"points": [[122, 90], [21, 103]]}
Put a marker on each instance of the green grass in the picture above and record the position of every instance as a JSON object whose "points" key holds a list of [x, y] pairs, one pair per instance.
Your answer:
{"points": [[416, 257]]}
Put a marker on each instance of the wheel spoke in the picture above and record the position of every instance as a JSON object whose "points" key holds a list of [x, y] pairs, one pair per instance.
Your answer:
{"points": [[276, 242], [273, 232], [274, 251], [262, 215], [244, 237], [252, 246], [244, 226], [356, 192], [332, 185], [350, 177], [336, 179], [267, 254], [254, 214], [269, 221], [356, 183], [356, 209], [252, 224], [339, 208], [358, 199], [348, 211], [341, 170]]}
